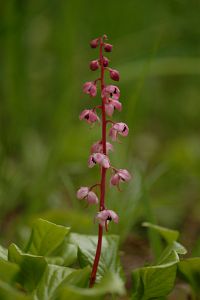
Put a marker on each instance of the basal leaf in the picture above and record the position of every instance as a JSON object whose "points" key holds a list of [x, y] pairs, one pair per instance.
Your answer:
{"points": [[9, 293], [190, 270], [168, 234], [67, 251], [8, 271], [32, 267], [46, 237], [3, 253]]}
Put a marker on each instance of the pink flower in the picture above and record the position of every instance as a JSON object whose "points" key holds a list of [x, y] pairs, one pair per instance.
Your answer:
{"points": [[89, 115], [108, 47], [99, 158], [106, 215], [121, 175], [118, 128], [94, 65], [105, 61], [114, 74], [85, 193], [94, 43], [111, 105], [111, 91], [90, 88], [98, 147]]}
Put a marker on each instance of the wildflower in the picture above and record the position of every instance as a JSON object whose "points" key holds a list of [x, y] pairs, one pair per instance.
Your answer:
{"points": [[118, 128], [90, 88], [85, 193], [106, 215], [114, 74], [94, 43], [89, 115], [108, 47], [99, 158], [111, 105], [105, 61], [98, 147], [121, 175], [111, 91], [94, 65]]}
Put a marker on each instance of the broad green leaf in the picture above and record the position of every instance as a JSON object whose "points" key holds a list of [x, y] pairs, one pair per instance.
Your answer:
{"points": [[111, 283], [109, 260], [8, 271], [168, 234], [46, 237], [190, 270], [3, 253], [31, 267], [155, 281], [67, 251], [9, 293], [80, 277], [171, 253], [52, 279]]}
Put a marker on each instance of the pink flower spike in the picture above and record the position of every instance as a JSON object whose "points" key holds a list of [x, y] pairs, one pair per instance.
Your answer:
{"points": [[111, 91], [118, 128], [108, 47], [82, 192], [114, 74], [89, 115], [121, 175], [90, 88], [106, 215], [98, 147], [98, 158], [94, 65], [94, 43]]}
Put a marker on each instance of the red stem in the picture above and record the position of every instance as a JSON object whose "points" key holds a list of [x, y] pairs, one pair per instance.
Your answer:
{"points": [[103, 174]]}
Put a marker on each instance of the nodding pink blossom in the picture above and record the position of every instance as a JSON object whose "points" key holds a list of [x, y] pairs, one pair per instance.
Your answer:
{"points": [[99, 158], [105, 61], [94, 65], [90, 88], [94, 43], [121, 175], [98, 147], [118, 128], [108, 47], [111, 91], [106, 215], [114, 74], [85, 193], [111, 105], [89, 115]]}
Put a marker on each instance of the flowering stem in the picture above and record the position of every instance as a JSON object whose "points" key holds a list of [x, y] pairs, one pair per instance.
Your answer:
{"points": [[103, 173]]}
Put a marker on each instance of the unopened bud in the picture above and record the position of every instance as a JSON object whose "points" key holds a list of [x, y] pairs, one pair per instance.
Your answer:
{"points": [[108, 47], [94, 65], [114, 75], [105, 61], [94, 43]]}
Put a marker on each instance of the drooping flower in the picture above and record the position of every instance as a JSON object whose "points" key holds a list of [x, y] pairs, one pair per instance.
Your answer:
{"points": [[90, 88], [114, 74], [89, 115], [111, 91], [94, 65], [99, 158], [108, 47], [111, 105], [89, 196], [118, 128], [98, 147], [106, 215], [121, 175]]}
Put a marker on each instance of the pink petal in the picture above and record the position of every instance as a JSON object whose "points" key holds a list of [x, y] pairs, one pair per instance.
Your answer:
{"points": [[82, 192]]}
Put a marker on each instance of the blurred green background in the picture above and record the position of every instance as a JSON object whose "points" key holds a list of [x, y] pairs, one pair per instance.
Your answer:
{"points": [[44, 57]]}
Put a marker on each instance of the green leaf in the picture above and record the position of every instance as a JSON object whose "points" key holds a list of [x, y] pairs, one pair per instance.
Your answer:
{"points": [[46, 237], [109, 260], [52, 279], [3, 253], [31, 267], [68, 252], [80, 278], [9, 293], [168, 234], [111, 283], [8, 271], [190, 270]]}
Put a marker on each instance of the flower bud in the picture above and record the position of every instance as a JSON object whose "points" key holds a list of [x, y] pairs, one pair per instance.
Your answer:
{"points": [[105, 61], [114, 75], [108, 47], [94, 65], [94, 43]]}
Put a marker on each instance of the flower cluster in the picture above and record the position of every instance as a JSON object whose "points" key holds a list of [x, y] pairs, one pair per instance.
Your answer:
{"points": [[110, 101]]}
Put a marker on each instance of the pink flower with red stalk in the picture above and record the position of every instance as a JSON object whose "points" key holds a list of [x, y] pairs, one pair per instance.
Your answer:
{"points": [[110, 95]]}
